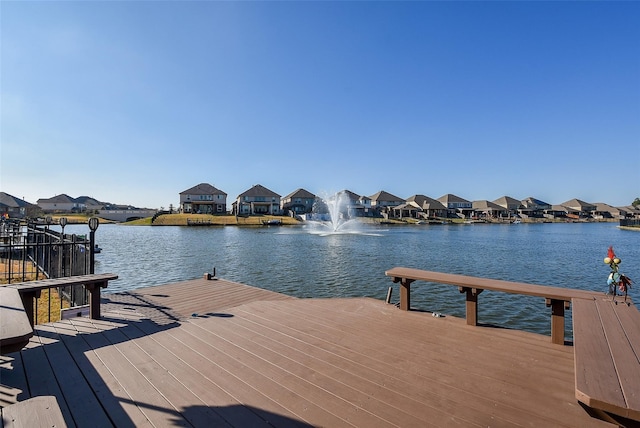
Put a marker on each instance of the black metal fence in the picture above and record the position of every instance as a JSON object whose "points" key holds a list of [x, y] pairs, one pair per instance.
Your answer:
{"points": [[630, 222], [31, 251]]}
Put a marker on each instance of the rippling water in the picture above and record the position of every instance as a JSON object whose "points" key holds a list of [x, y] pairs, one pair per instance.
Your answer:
{"points": [[294, 261]]}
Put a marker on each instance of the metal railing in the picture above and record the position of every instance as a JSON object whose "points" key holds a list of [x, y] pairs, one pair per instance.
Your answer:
{"points": [[32, 250]]}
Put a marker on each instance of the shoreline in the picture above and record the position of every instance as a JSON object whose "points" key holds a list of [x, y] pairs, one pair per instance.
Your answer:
{"points": [[207, 220]]}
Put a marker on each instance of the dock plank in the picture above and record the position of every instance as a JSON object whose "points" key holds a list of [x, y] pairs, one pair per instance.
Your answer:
{"points": [[72, 382], [475, 378], [130, 373], [40, 377], [203, 353], [252, 388], [106, 389], [307, 371], [227, 407]]}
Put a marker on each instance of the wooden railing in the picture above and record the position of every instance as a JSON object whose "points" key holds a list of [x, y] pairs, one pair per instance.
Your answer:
{"points": [[18, 304], [93, 283], [557, 298]]}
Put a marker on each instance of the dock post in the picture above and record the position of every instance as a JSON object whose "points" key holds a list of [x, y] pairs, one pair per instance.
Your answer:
{"points": [[557, 320]]}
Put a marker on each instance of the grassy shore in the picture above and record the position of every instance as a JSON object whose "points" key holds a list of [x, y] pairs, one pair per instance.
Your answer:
{"points": [[214, 220], [231, 220], [48, 298]]}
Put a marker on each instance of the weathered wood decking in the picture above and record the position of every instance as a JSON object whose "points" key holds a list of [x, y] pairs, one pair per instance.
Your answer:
{"points": [[216, 353]]}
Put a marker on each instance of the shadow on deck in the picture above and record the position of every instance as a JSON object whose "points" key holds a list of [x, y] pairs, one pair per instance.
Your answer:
{"points": [[215, 353]]}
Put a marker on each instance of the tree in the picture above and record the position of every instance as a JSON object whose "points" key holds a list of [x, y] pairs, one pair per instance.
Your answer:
{"points": [[636, 202]]}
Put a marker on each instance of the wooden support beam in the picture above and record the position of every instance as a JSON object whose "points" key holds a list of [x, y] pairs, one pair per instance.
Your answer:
{"points": [[557, 320], [471, 303], [29, 303], [405, 293], [94, 298]]}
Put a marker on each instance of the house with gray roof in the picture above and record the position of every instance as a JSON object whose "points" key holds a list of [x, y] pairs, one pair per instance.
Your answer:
{"points": [[456, 206], [484, 209], [257, 200], [532, 207], [560, 211], [87, 203], [298, 202], [354, 205], [632, 211], [15, 207], [580, 208], [425, 207], [606, 211], [382, 202], [203, 199], [512, 205], [59, 203]]}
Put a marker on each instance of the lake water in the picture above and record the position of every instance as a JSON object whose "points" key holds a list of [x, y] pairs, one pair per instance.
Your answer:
{"points": [[294, 261]]}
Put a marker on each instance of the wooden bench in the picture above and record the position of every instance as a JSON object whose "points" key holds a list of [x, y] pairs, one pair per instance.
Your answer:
{"points": [[30, 290], [15, 328], [557, 298], [42, 411], [607, 359]]}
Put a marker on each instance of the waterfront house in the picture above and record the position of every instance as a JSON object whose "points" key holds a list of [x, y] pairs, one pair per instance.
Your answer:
{"points": [[89, 204], [425, 207], [605, 211], [580, 208], [298, 202], [631, 211], [382, 202], [408, 209], [456, 206], [512, 205], [203, 199], [60, 203], [560, 211], [484, 209], [354, 205], [257, 200], [532, 207], [16, 207]]}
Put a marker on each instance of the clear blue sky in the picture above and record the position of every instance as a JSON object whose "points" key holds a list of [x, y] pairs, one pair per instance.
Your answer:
{"points": [[132, 102]]}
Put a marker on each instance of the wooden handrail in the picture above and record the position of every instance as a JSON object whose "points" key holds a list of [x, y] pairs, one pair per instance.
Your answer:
{"points": [[30, 290], [557, 298]]}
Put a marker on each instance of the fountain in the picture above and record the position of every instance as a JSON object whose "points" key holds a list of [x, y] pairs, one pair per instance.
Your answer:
{"points": [[331, 216]]}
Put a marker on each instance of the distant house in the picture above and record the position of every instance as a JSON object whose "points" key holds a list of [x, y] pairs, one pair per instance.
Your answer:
{"points": [[298, 202], [512, 205], [90, 204], [560, 211], [580, 208], [382, 202], [421, 206], [60, 203], [631, 211], [203, 199], [533, 207], [484, 209], [354, 205], [605, 211], [16, 207], [456, 206], [257, 200]]}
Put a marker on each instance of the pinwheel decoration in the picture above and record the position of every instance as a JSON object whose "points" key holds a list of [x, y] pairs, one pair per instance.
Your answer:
{"points": [[616, 279]]}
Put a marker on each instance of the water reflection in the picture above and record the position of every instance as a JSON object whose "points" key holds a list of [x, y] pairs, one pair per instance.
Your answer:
{"points": [[292, 261]]}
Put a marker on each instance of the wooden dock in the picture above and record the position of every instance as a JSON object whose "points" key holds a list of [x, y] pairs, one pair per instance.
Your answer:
{"points": [[217, 353]]}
